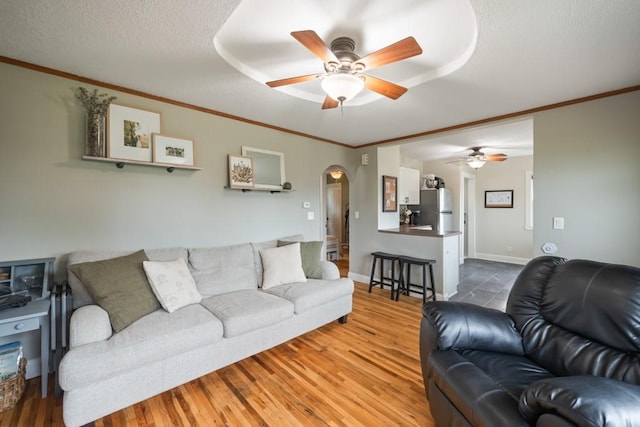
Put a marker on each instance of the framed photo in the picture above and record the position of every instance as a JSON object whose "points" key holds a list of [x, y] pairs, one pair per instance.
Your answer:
{"points": [[241, 172], [129, 133], [389, 193], [174, 151], [268, 167], [498, 199]]}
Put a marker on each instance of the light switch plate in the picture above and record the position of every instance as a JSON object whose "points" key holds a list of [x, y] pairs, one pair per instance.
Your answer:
{"points": [[311, 216]]}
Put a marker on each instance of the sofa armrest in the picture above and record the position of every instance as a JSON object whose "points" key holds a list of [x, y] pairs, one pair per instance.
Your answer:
{"points": [[329, 270], [584, 400], [458, 326], [89, 324]]}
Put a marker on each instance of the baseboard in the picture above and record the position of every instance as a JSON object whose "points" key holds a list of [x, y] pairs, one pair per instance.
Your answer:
{"points": [[358, 277], [33, 368], [502, 258]]}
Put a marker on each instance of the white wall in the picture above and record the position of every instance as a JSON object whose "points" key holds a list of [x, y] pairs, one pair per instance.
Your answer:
{"points": [[501, 233], [586, 169]]}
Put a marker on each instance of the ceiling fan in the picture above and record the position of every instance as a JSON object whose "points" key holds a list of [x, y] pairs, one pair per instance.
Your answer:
{"points": [[343, 77], [476, 159]]}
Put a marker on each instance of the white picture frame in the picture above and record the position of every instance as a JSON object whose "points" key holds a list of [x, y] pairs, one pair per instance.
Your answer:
{"points": [[170, 150], [268, 167], [130, 133], [241, 172]]}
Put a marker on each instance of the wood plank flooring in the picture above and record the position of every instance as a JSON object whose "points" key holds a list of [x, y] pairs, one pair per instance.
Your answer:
{"points": [[363, 373]]}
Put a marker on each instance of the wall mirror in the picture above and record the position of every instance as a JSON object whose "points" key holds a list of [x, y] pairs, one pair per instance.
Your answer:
{"points": [[268, 167]]}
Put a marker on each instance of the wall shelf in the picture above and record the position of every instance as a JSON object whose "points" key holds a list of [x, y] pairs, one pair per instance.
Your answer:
{"points": [[120, 163], [247, 190]]}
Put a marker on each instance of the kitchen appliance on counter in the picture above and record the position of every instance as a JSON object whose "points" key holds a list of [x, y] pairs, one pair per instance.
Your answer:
{"points": [[435, 209]]}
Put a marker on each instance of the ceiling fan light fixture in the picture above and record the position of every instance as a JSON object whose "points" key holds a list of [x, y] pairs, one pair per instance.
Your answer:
{"points": [[476, 162], [342, 86]]}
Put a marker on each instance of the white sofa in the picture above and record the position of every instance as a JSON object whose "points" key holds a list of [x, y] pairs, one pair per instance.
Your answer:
{"points": [[104, 371]]}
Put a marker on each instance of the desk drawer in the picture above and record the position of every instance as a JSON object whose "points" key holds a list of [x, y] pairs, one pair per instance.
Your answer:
{"points": [[18, 326]]}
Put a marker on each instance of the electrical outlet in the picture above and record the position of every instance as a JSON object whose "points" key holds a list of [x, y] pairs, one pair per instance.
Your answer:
{"points": [[558, 223], [306, 205]]}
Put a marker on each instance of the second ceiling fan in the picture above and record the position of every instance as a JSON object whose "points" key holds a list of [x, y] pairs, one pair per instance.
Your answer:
{"points": [[343, 77]]}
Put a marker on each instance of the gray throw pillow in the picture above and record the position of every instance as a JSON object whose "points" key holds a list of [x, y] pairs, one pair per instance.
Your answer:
{"points": [[311, 253], [119, 285]]}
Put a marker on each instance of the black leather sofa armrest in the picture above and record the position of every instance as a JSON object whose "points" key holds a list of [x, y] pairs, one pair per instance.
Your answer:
{"points": [[459, 326], [583, 400]]}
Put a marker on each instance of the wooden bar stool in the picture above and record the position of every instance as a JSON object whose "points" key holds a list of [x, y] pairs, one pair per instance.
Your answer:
{"points": [[405, 280], [385, 280]]}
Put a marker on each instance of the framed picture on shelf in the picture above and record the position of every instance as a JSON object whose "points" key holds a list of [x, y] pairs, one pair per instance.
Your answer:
{"points": [[268, 167], [173, 151], [129, 133], [389, 193], [241, 173], [498, 199]]}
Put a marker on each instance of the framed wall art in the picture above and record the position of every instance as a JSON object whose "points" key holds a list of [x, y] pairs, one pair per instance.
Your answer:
{"points": [[241, 173], [129, 133], [389, 193], [173, 151], [268, 167], [498, 199]]}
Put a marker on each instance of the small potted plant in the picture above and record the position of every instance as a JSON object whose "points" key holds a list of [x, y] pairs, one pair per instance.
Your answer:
{"points": [[96, 105]]}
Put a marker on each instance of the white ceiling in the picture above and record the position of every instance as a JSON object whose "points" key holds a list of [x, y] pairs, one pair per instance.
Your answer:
{"points": [[527, 54]]}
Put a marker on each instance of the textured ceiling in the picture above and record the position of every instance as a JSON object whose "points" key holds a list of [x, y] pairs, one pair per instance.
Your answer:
{"points": [[527, 54]]}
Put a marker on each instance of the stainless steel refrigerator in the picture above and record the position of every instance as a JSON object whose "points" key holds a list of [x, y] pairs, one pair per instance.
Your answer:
{"points": [[435, 209]]}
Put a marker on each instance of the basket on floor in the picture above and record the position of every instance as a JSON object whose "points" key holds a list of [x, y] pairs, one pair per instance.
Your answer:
{"points": [[11, 389]]}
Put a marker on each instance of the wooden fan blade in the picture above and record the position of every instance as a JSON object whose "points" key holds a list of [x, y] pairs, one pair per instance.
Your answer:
{"points": [[405, 48], [293, 80], [496, 157], [383, 87], [329, 102], [314, 43]]}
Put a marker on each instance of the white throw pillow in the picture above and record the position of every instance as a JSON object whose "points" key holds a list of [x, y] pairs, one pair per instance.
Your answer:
{"points": [[282, 265], [172, 283]]}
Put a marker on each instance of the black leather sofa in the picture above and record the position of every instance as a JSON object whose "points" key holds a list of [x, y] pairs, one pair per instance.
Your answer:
{"points": [[565, 353]]}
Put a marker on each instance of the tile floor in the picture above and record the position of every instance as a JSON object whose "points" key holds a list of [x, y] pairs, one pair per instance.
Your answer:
{"points": [[486, 283]]}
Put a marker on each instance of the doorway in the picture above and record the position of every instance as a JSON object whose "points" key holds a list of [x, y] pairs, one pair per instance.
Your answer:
{"points": [[468, 226], [336, 227]]}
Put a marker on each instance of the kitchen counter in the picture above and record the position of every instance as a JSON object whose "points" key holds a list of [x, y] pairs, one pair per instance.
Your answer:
{"points": [[417, 231]]}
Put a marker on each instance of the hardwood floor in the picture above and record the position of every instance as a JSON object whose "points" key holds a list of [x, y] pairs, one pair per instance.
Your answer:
{"points": [[363, 373]]}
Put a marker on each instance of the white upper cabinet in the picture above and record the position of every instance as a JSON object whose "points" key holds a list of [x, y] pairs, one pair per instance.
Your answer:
{"points": [[408, 186]]}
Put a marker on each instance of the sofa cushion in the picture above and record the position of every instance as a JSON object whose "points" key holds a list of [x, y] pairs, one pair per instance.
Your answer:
{"points": [[311, 253], [120, 286], [81, 295], [223, 269], [267, 244], [245, 311], [172, 283], [312, 293], [154, 337], [282, 265]]}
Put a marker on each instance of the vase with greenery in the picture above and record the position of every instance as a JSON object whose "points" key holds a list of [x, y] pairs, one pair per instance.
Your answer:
{"points": [[96, 105]]}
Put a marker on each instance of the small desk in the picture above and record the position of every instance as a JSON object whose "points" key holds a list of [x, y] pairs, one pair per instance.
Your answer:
{"points": [[34, 315]]}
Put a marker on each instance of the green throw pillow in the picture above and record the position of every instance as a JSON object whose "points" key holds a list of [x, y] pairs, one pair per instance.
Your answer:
{"points": [[311, 253], [119, 285]]}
